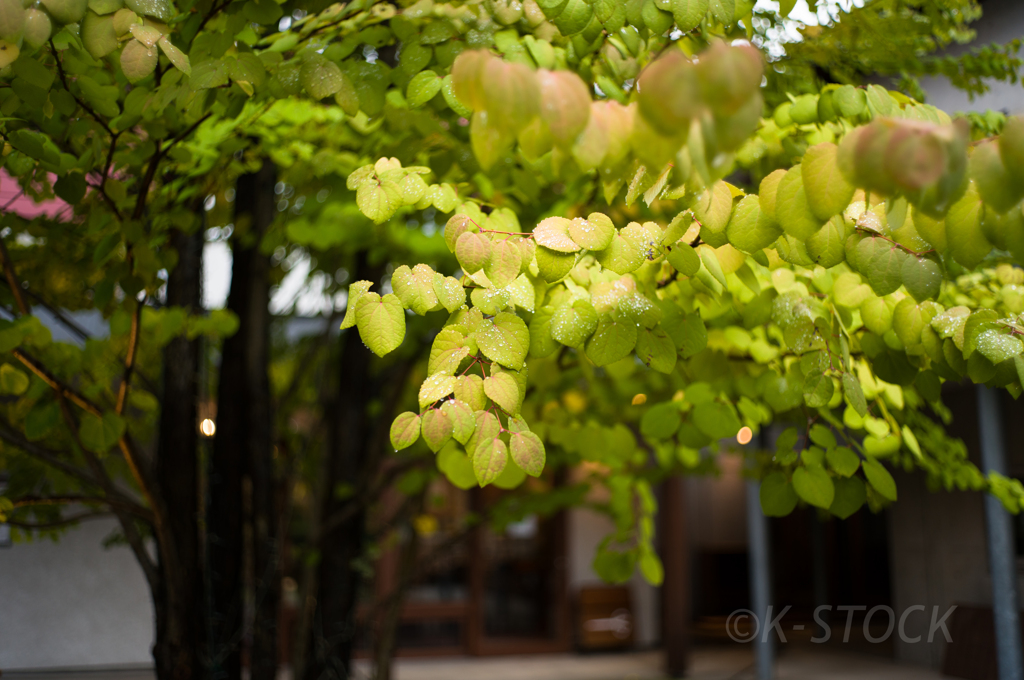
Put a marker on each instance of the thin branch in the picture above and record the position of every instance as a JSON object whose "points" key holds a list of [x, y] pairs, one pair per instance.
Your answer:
{"points": [[58, 386], [62, 522], [64, 81], [12, 280], [184, 134], [135, 509], [129, 361], [51, 458]]}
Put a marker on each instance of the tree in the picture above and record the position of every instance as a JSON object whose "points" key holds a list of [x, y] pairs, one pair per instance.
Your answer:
{"points": [[624, 216]]}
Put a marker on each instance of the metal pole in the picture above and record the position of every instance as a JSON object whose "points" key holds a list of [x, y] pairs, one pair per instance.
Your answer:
{"points": [[760, 582], [1001, 554]]}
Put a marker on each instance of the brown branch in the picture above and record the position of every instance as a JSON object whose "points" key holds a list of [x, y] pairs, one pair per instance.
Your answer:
{"points": [[51, 458], [184, 134], [62, 522], [30, 501], [129, 361], [12, 280], [58, 386], [64, 81]]}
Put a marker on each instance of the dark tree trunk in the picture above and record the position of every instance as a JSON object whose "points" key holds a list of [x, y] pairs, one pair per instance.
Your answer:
{"points": [[180, 630], [242, 491], [349, 445]]}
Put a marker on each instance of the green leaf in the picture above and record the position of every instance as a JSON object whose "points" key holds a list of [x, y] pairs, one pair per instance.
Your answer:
{"points": [[320, 76], [12, 380], [684, 259], [138, 61], [623, 255], [405, 430], [447, 352], [504, 339], [502, 389], [435, 388], [660, 421], [613, 340], [381, 322], [843, 460], [850, 495], [415, 288], [553, 265], [449, 292], [650, 567], [100, 434], [208, 74], [573, 323], [437, 429], [66, 11], [851, 101], [814, 486], [792, 209], [504, 264], [178, 58], [965, 238], [470, 389], [786, 6], [818, 389], [854, 394], [778, 498], [724, 10], [553, 233], [750, 229], [379, 199], [41, 420], [158, 9], [528, 452], [98, 36], [422, 88], [355, 293], [473, 251], [593, 233], [828, 191], [688, 13], [655, 348], [456, 466], [463, 420], [489, 460], [922, 278], [693, 336], [716, 420], [879, 479], [993, 345]]}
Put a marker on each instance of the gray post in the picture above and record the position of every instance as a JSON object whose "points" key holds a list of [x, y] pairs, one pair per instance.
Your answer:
{"points": [[760, 583], [1001, 554]]}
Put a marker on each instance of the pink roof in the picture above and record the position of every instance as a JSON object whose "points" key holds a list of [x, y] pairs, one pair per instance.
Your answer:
{"points": [[12, 200]]}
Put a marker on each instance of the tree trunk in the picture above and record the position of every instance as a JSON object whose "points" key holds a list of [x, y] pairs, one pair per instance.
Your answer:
{"points": [[178, 600], [332, 633], [242, 492]]}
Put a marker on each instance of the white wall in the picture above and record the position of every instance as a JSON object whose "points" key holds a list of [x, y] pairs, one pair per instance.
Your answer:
{"points": [[1001, 22], [586, 530], [73, 604]]}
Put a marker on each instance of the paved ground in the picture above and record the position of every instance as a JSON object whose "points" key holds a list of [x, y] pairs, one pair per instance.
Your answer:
{"points": [[707, 664], [725, 663]]}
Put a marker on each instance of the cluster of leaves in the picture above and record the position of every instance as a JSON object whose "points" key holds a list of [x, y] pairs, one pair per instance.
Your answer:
{"points": [[835, 287], [842, 292]]}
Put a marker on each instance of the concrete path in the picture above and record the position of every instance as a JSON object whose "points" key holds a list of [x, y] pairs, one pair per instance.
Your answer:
{"points": [[725, 663], [722, 663]]}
